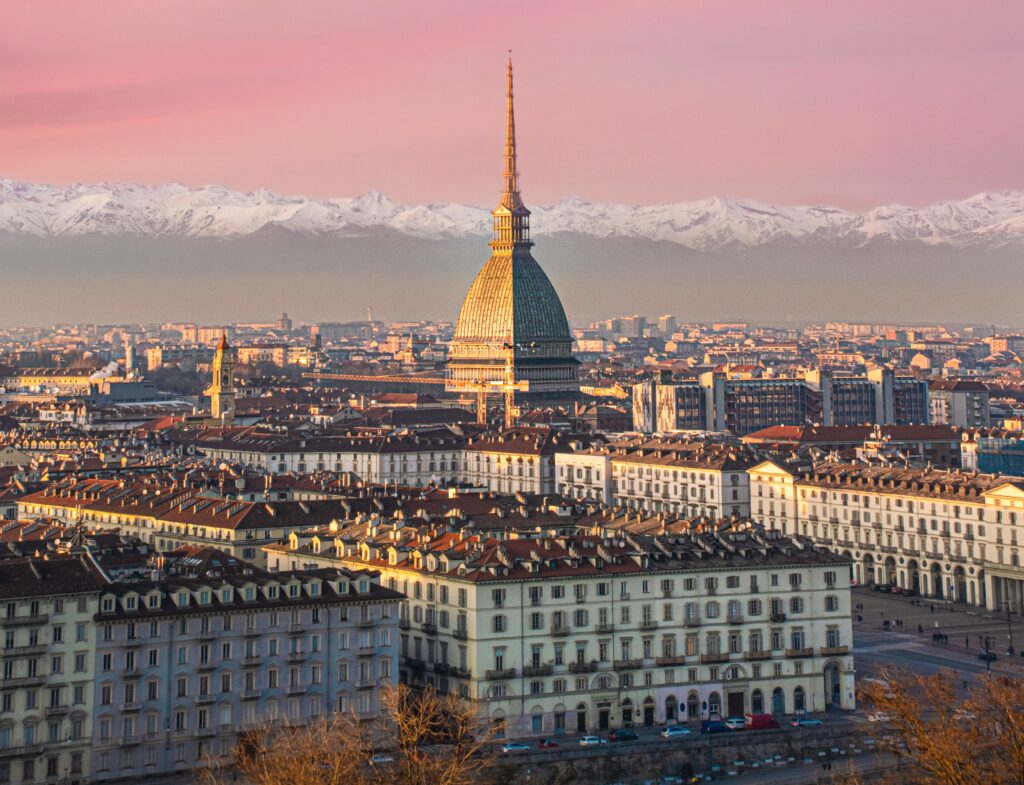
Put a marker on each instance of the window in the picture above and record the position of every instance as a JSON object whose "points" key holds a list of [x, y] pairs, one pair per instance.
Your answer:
{"points": [[499, 623], [831, 602]]}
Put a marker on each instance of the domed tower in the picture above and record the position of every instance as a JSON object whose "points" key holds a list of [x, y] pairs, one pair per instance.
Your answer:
{"points": [[222, 391], [511, 307]]}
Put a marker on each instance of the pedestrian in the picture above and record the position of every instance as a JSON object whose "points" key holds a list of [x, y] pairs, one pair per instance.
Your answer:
{"points": [[967, 642], [920, 629]]}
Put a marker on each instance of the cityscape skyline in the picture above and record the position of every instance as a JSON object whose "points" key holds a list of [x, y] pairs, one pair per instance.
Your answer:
{"points": [[680, 103]]}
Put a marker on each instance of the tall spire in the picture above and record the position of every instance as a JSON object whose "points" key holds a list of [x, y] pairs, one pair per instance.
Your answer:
{"points": [[511, 218]]}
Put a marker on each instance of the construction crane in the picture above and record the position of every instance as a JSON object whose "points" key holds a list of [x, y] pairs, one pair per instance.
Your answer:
{"points": [[508, 385]]}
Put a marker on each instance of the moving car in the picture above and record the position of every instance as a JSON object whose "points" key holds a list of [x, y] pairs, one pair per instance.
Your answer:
{"points": [[592, 741], [714, 726], [805, 722], [736, 723], [514, 746], [760, 721], [547, 744], [623, 734], [675, 731]]}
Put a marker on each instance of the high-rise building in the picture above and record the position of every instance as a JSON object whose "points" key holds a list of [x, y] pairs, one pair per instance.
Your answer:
{"points": [[512, 312]]}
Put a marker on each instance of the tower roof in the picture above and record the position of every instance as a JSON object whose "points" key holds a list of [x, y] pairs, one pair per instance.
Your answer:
{"points": [[223, 342], [511, 298]]}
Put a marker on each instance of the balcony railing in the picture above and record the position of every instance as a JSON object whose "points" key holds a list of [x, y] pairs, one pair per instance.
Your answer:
{"points": [[429, 628], [648, 624], [538, 670], [720, 657], [460, 633], [675, 659], [24, 651], [604, 628], [804, 652], [251, 695], [506, 673], [627, 665], [757, 655], [834, 650], [560, 630], [691, 621], [583, 667], [22, 621], [777, 617], [734, 618]]}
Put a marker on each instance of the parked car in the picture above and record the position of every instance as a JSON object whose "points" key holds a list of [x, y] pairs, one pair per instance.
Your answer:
{"points": [[988, 656], [878, 716], [592, 741], [547, 744], [713, 726], [381, 760], [760, 721], [514, 746], [805, 722], [623, 734], [675, 731]]}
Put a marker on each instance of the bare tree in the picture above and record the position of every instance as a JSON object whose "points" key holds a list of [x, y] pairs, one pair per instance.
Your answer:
{"points": [[945, 738], [420, 738]]}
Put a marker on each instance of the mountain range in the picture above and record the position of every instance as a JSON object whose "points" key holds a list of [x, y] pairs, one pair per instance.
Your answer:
{"points": [[985, 220], [126, 252]]}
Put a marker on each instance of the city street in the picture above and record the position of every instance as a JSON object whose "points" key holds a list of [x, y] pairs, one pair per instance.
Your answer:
{"points": [[912, 645]]}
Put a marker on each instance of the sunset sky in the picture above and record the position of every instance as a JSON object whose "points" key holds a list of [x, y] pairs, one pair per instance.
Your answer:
{"points": [[849, 103]]}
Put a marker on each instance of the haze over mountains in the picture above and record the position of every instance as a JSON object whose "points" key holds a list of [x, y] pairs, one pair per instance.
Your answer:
{"points": [[212, 253]]}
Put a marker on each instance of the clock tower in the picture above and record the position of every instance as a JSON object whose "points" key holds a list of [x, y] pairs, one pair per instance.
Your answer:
{"points": [[222, 391]]}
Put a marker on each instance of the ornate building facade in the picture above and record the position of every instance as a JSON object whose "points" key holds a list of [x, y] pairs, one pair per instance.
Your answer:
{"points": [[512, 313], [222, 391]]}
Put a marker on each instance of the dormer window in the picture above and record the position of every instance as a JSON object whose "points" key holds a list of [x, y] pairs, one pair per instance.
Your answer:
{"points": [[129, 602], [250, 593], [108, 604], [314, 590], [272, 592], [204, 597], [342, 587], [293, 590], [182, 598], [154, 600], [226, 595], [364, 586]]}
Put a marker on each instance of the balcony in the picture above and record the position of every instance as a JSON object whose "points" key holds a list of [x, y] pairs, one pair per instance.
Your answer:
{"points": [[251, 695], [252, 661], [778, 617], [403, 624], [649, 624], [506, 673], [415, 664], [460, 633], [627, 665], [367, 622], [677, 659], [459, 673], [691, 621], [583, 667], [34, 620], [59, 711], [295, 689], [131, 741], [429, 628], [296, 656], [22, 752], [130, 706], [538, 670], [604, 629], [133, 642], [207, 635], [366, 651], [442, 668], [204, 699], [296, 629], [720, 657], [131, 673], [365, 684], [757, 655], [24, 681], [206, 666], [208, 731], [734, 618], [829, 651], [251, 632], [24, 651], [797, 653]]}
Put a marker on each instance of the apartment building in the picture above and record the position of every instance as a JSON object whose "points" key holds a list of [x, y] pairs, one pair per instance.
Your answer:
{"points": [[958, 402], [184, 664], [672, 475], [517, 460], [945, 534], [601, 629], [46, 696]]}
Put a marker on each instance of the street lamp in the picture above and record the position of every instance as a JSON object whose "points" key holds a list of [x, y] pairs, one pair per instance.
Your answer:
{"points": [[1009, 630], [988, 658]]}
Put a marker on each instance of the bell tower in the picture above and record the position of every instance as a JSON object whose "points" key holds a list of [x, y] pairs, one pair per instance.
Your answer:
{"points": [[222, 390]]}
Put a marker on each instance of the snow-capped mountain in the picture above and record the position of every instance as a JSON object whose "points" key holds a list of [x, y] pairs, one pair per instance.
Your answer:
{"points": [[173, 210]]}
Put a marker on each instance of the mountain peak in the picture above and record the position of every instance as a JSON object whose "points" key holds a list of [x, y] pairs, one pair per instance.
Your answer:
{"points": [[986, 219]]}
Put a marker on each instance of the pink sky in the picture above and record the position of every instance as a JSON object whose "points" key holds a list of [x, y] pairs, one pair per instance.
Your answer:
{"points": [[850, 103]]}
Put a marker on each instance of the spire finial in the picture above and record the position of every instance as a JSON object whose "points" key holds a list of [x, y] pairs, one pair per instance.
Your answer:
{"points": [[511, 175]]}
